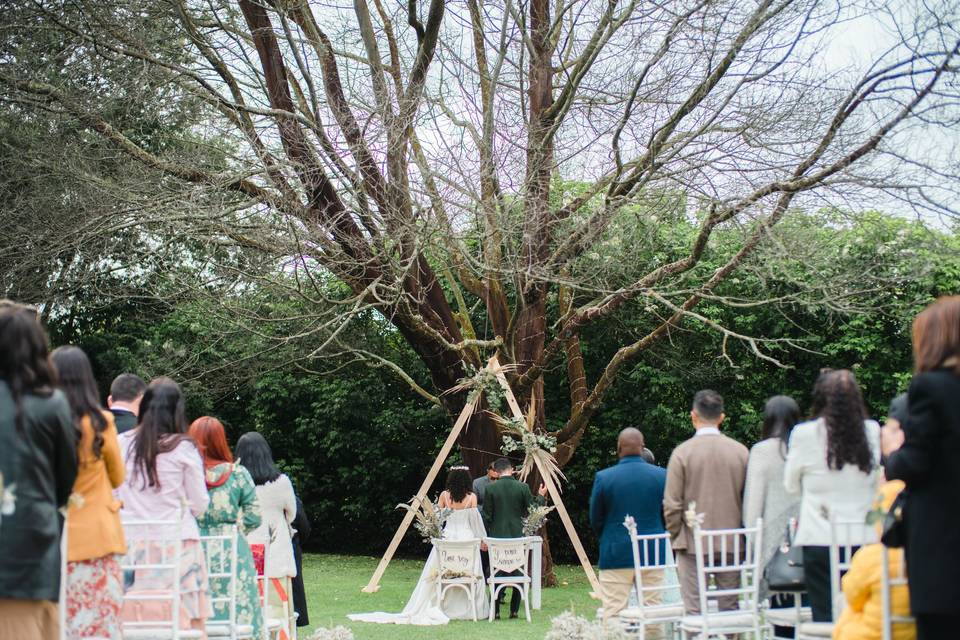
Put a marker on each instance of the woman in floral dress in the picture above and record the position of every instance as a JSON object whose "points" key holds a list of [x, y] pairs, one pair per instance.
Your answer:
{"points": [[233, 500]]}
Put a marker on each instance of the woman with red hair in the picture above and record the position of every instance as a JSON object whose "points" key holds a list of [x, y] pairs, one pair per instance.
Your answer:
{"points": [[233, 500]]}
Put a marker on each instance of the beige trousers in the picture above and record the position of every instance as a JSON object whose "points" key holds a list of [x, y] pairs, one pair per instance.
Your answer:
{"points": [[690, 588], [615, 587], [29, 620]]}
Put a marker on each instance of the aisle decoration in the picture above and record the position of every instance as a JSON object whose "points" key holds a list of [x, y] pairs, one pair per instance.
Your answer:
{"points": [[536, 518], [429, 517]]}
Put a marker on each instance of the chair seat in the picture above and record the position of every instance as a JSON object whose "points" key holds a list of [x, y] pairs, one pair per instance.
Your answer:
{"points": [[509, 580], [222, 630], [655, 612], [720, 622], [787, 617], [147, 633], [815, 630], [462, 580]]}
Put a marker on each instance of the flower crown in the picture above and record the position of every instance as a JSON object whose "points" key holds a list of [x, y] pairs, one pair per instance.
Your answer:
{"points": [[461, 467]]}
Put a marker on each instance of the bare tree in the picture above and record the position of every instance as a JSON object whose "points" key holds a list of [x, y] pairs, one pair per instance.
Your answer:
{"points": [[444, 157]]}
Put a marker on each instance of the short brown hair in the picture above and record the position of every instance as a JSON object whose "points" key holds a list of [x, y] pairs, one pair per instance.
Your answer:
{"points": [[936, 335]]}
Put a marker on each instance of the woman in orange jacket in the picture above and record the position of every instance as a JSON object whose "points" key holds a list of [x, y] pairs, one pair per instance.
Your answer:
{"points": [[94, 533]]}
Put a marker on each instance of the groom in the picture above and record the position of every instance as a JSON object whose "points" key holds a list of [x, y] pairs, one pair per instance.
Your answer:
{"points": [[505, 504]]}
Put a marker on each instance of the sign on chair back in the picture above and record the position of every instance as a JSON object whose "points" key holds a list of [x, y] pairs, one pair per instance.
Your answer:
{"points": [[652, 561], [729, 556], [509, 556], [153, 570], [457, 562]]}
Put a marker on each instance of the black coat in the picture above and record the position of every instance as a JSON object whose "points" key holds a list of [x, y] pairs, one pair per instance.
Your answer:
{"points": [[929, 464], [302, 524], [42, 463]]}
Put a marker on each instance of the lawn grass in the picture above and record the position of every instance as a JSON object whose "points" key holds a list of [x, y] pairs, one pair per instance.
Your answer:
{"points": [[333, 586]]}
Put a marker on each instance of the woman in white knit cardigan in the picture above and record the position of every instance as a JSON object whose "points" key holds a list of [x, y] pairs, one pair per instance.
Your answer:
{"points": [[278, 507]]}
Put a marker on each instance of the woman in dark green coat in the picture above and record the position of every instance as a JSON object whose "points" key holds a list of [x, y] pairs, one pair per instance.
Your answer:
{"points": [[38, 464]]}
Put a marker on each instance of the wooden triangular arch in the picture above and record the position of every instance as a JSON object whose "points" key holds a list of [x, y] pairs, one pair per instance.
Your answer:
{"points": [[494, 365]]}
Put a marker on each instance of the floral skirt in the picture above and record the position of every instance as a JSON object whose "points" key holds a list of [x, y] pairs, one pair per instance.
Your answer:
{"points": [[194, 586], [94, 598]]}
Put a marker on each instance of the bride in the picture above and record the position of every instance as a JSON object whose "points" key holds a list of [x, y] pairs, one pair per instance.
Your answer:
{"points": [[464, 523]]}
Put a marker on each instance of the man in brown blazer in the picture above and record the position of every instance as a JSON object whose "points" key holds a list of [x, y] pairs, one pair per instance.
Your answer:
{"points": [[709, 469]]}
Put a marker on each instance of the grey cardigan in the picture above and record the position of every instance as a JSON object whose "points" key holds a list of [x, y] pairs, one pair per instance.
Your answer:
{"points": [[764, 496]]}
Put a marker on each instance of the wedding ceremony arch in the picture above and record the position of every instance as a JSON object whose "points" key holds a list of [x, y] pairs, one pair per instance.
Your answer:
{"points": [[549, 479]]}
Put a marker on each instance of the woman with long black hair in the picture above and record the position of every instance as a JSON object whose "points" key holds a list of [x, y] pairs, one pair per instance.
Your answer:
{"points": [[94, 534], [278, 508], [164, 472], [38, 464], [832, 464]]}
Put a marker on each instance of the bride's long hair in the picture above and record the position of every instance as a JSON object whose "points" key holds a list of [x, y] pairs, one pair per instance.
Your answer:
{"points": [[459, 483]]}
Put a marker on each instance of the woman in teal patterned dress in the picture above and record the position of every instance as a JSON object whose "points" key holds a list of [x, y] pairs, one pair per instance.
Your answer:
{"points": [[233, 500]]}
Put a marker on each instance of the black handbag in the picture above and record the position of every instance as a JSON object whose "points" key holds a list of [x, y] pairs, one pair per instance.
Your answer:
{"points": [[894, 526], [784, 571]]}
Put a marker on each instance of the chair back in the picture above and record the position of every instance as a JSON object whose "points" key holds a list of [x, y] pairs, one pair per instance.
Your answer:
{"points": [[221, 552], [845, 537], [729, 551], [457, 558], [152, 569], [887, 584], [508, 555], [650, 551]]}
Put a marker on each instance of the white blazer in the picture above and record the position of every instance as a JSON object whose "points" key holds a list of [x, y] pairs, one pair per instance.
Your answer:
{"points": [[278, 507], [848, 493]]}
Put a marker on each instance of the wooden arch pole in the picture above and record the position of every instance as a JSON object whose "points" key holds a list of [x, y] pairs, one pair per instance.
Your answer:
{"points": [[374, 585], [552, 488]]}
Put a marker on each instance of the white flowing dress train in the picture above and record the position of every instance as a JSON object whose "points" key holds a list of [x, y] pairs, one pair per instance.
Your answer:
{"points": [[423, 607]]}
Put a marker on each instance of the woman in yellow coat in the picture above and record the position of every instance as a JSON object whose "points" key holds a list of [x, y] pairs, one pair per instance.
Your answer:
{"points": [[862, 617], [95, 537]]}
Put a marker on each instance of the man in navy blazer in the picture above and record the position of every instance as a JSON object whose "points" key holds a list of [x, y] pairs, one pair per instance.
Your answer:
{"points": [[634, 488]]}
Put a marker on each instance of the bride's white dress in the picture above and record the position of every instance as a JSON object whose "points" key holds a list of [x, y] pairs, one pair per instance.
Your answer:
{"points": [[423, 607]]}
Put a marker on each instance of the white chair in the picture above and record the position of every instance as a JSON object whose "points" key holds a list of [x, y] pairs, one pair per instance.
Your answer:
{"points": [[509, 555], [845, 537], [221, 552], [457, 562], [155, 546], [272, 627], [726, 552], [651, 552], [791, 617], [887, 584]]}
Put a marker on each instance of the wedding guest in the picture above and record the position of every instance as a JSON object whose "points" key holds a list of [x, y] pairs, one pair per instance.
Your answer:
{"points": [[709, 470], [832, 465], [633, 488], [278, 506], [95, 538], [301, 526], [764, 495], [38, 466], [862, 617], [233, 500], [504, 508], [480, 484], [165, 471], [126, 393], [891, 434], [929, 464]]}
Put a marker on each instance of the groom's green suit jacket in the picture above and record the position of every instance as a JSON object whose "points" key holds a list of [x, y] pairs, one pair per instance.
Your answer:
{"points": [[505, 505]]}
